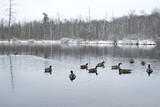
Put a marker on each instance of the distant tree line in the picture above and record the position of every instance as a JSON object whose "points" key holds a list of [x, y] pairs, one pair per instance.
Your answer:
{"points": [[131, 26]]}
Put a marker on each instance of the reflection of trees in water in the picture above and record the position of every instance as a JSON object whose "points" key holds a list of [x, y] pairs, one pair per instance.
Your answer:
{"points": [[10, 66], [80, 51], [11, 72]]}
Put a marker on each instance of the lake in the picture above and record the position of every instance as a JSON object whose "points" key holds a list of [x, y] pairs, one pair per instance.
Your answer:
{"points": [[23, 82]]}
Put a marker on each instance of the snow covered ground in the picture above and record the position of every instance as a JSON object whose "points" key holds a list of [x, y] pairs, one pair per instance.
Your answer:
{"points": [[32, 42], [136, 42], [82, 42]]}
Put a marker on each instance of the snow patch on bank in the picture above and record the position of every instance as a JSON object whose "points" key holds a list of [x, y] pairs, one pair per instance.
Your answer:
{"points": [[136, 42], [82, 42], [32, 41]]}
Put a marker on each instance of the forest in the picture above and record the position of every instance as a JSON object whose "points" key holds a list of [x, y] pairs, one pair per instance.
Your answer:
{"points": [[131, 26]]}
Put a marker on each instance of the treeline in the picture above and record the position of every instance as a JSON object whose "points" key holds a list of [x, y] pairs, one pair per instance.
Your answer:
{"points": [[131, 26]]}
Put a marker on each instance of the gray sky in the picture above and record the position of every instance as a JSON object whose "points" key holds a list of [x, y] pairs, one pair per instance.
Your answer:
{"points": [[33, 9]]}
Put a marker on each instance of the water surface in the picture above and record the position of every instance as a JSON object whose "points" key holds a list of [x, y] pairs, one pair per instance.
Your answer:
{"points": [[24, 83]]}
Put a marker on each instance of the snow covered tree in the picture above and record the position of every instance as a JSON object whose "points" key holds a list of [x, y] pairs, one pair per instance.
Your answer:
{"points": [[45, 25], [11, 12], [45, 18]]}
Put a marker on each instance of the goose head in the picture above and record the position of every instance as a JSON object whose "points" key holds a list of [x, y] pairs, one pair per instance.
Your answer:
{"points": [[148, 65], [71, 72], [119, 63]]}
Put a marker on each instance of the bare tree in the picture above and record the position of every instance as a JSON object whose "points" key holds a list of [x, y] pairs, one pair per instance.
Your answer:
{"points": [[11, 12], [131, 21], [89, 22], [156, 11]]}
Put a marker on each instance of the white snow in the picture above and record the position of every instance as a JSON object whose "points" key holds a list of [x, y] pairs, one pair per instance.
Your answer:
{"points": [[136, 42], [82, 42], [146, 42], [71, 41], [32, 41]]}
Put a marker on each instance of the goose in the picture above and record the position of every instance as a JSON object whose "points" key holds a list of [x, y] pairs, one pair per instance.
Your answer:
{"points": [[116, 66], [8, 54], [100, 64], [124, 71], [72, 76], [149, 70], [131, 61], [93, 70], [49, 69], [16, 53], [84, 66], [143, 63]]}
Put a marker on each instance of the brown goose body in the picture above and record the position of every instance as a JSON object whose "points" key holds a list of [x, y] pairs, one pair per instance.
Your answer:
{"points": [[149, 70], [131, 61], [116, 66], [125, 71], [84, 66], [93, 70], [143, 63], [100, 64], [49, 69], [72, 76]]}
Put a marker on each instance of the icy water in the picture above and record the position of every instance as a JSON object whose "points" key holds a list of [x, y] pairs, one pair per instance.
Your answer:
{"points": [[23, 82]]}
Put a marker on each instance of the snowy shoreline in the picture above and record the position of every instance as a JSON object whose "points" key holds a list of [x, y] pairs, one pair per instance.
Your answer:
{"points": [[81, 42]]}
